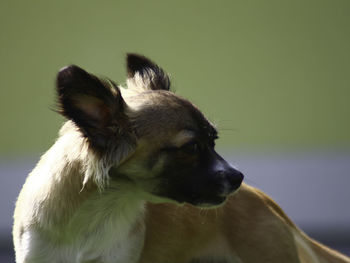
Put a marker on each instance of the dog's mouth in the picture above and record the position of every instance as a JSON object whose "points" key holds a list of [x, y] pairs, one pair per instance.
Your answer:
{"points": [[207, 200], [210, 202]]}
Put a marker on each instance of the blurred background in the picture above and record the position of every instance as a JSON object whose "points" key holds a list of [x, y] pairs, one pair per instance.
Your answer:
{"points": [[273, 75]]}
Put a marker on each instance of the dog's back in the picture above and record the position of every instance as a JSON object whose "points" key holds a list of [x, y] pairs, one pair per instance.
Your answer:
{"points": [[249, 227]]}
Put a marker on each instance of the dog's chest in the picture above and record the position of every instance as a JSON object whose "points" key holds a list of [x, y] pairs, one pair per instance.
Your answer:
{"points": [[104, 229], [96, 249], [107, 229], [126, 251]]}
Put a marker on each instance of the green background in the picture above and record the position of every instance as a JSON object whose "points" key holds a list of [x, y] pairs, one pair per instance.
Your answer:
{"points": [[271, 74]]}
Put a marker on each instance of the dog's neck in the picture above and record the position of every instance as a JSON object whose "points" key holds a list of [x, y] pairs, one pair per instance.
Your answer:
{"points": [[61, 178], [83, 220]]}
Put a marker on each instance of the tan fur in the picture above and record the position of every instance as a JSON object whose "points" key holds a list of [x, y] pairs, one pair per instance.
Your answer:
{"points": [[249, 227], [81, 204]]}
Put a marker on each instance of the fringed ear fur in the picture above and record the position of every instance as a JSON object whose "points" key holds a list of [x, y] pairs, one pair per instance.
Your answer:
{"points": [[145, 74], [94, 105]]}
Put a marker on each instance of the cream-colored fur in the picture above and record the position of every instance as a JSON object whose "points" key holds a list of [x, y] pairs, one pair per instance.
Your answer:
{"points": [[56, 207]]}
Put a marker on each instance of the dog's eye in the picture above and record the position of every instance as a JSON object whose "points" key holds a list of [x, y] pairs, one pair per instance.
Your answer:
{"points": [[191, 147]]}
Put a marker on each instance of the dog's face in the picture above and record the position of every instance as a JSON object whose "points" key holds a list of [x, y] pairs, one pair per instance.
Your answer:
{"points": [[173, 156]]}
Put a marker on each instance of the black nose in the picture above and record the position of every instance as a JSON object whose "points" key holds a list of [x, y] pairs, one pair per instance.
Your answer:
{"points": [[235, 179], [231, 179]]}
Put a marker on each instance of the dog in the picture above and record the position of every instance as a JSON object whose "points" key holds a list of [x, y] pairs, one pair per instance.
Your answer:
{"points": [[134, 177]]}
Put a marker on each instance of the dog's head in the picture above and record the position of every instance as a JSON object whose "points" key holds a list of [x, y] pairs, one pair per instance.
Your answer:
{"points": [[172, 154]]}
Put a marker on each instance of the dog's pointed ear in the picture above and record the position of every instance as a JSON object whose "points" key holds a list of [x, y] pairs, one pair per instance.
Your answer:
{"points": [[151, 75], [94, 105]]}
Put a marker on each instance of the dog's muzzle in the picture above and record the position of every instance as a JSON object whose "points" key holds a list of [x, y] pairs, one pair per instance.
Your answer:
{"points": [[231, 180]]}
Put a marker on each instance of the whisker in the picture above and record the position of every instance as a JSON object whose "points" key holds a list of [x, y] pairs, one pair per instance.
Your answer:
{"points": [[251, 182], [228, 129]]}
